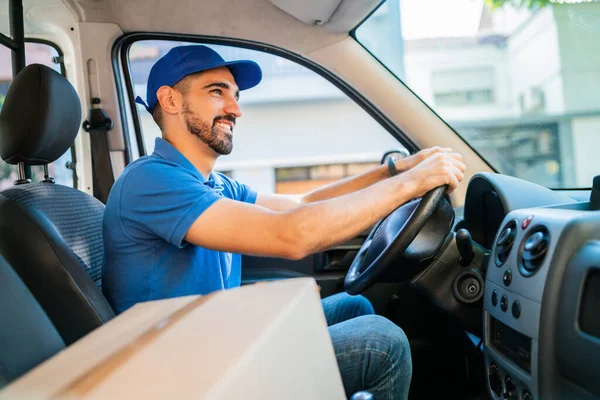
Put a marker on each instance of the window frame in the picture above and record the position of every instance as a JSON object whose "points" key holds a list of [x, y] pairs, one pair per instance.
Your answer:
{"points": [[63, 72], [126, 92], [61, 55]]}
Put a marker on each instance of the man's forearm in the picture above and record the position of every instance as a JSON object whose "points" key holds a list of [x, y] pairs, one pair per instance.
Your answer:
{"points": [[369, 178], [294, 232], [347, 215], [348, 185]]}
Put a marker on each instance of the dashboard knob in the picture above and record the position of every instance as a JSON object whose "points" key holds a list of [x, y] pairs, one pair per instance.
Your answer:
{"points": [[495, 380], [504, 242], [535, 248], [510, 389], [504, 236], [534, 242]]}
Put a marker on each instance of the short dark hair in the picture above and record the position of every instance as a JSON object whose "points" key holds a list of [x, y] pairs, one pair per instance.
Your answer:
{"points": [[182, 87]]}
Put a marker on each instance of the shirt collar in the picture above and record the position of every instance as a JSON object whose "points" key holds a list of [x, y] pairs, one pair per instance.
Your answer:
{"points": [[167, 151]]}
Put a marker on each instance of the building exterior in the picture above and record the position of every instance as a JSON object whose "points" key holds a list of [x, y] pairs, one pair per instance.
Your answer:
{"points": [[526, 98]]}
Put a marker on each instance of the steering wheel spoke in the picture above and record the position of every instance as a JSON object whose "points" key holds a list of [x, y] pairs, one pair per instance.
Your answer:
{"points": [[389, 239]]}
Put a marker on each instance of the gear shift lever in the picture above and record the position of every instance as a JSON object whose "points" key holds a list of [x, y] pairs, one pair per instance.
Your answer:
{"points": [[465, 247]]}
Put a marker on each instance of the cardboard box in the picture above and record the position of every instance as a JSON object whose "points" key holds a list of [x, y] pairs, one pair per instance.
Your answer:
{"points": [[263, 341]]}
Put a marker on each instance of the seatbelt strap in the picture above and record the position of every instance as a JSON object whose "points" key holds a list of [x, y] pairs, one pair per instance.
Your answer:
{"points": [[98, 124]]}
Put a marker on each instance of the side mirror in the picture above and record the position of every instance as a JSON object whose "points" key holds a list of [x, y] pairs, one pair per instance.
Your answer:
{"points": [[396, 154]]}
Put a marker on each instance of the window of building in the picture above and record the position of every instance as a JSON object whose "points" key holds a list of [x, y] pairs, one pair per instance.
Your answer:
{"points": [[296, 126], [464, 98], [469, 87], [48, 55]]}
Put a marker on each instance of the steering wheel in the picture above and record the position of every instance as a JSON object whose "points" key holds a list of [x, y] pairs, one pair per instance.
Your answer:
{"points": [[389, 239]]}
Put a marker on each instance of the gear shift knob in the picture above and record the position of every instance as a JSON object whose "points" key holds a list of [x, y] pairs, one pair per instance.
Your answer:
{"points": [[465, 247]]}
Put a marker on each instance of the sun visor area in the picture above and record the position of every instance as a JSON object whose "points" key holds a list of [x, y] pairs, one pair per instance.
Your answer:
{"points": [[335, 15]]}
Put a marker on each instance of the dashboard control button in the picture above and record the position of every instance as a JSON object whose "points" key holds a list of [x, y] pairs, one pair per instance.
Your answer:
{"points": [[504, 243], [526, 222], [504, 303], [533, 250], [494, 298], [495, 380], [504, 236], [516, 309], [527, 395], [510, 389], [533, 243], [507, 278]]}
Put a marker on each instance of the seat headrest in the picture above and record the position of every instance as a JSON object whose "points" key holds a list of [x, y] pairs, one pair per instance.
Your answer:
{"points": [[40, 117]]}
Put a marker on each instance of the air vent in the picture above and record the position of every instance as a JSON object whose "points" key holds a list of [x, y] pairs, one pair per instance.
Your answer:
{"points": [[505, 242], [533, 250]]}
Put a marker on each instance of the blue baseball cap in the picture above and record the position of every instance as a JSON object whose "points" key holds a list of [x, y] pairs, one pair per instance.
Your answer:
{"points": [[181, 61]]}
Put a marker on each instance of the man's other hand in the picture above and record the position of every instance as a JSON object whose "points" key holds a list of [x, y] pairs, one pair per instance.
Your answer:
{"points": [[438, 169], [411, 161]]}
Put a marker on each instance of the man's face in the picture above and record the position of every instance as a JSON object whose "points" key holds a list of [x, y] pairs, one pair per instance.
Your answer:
{"points": [[210, 108]]}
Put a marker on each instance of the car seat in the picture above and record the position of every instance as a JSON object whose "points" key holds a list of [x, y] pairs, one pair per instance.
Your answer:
{"points": [[50, 234]]}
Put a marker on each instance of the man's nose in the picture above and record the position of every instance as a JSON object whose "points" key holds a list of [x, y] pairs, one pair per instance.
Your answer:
{"points": [[232, 107]]}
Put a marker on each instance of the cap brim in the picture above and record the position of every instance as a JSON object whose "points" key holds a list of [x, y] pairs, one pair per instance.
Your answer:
{"points": [[247, 74]]}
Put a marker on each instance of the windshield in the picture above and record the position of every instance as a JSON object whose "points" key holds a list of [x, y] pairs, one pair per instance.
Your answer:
{"points": [[518, 80]]}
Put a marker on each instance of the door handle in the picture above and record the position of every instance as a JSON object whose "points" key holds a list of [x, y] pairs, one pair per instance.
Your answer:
{"points": [[337, 259]]}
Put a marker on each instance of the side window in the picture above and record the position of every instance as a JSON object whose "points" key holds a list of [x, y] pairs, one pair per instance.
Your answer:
{"points": [[39, 53], [298, 131]]}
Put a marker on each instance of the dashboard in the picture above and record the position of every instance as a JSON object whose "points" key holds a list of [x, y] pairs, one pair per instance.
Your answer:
{"points": [[541, 323], [491, 196]]}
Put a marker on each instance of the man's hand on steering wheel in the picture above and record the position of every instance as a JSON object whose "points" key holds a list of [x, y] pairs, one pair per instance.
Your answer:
{"points": [[430, 179], [437, 169], [413, 160]]}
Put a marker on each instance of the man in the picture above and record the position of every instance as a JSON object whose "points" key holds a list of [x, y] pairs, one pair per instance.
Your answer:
{"points": [[175, 227]]}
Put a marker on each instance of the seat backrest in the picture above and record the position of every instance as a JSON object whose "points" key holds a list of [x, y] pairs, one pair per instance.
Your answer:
{"points": [[76, 216], [49, 233], [27, 336]]}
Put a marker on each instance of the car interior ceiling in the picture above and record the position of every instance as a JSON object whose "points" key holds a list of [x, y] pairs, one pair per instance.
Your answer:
{"points": [[500, 302]]}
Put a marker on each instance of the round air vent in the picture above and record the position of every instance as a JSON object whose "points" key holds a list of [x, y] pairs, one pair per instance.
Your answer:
{"points": [[505, 242], [533, 250]]}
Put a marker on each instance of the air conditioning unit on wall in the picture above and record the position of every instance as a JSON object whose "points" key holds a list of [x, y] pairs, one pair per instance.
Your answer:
{"points": [[533, 101]]}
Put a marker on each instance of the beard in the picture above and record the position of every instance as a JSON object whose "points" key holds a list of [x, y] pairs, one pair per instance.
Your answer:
{"points": [[220, 142]]}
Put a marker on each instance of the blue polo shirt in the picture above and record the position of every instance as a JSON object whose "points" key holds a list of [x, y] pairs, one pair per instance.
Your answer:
{"points": [[149, 210]]}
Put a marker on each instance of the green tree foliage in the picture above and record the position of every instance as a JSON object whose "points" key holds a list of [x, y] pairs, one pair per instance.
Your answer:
{"points": [[531, 4]]}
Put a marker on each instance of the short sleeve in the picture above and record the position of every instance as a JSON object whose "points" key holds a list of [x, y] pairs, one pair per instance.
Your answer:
{"points": [[163, 200], [238, 191]]}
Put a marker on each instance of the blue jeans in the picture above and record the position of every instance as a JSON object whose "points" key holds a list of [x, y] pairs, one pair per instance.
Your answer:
{"points": [[372, 352]]}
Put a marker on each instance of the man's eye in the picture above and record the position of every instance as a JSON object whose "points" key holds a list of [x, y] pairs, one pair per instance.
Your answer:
{"points": [[217, 91]]}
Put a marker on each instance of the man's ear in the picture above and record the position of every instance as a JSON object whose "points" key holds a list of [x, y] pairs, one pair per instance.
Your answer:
{"points": [[170, 99]]}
